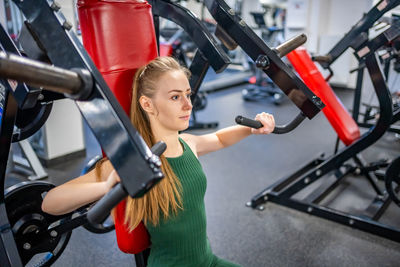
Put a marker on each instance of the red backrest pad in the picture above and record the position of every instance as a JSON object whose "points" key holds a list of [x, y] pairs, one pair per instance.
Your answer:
{"points": [[338, 116], [119, 36]]}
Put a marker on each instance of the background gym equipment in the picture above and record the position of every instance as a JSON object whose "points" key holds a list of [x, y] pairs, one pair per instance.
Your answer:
{"points": [[354, 38], [261, 86], [288, 190]]}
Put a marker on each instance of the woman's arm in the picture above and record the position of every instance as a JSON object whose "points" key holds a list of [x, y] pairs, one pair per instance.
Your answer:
{"points": [[204, 144], [80, 191]]}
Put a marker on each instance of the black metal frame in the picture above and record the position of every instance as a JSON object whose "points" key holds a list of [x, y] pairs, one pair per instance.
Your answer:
{"points": [[366, 121], [358, 34], [115, 133], [282, 192], [209, 52], [354, 38], [255, 47]]}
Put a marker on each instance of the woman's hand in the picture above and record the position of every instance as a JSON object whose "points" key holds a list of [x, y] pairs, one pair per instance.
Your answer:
{"points": [[267, 121], [112, 179]]}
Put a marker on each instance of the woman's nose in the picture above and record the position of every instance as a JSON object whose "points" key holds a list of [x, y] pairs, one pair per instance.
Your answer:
{"points": [[187, 103]]}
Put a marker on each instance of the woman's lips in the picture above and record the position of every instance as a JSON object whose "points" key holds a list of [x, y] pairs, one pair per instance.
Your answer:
{"points": [[185, 117]]}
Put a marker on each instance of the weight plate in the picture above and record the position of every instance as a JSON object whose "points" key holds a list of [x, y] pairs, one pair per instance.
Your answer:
{"points": [[29, 224]]}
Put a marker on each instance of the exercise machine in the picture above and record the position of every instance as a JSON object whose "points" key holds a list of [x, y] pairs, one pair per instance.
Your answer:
{"points": [[26, 230], [288, 191], [261, 86], [354, 38]]}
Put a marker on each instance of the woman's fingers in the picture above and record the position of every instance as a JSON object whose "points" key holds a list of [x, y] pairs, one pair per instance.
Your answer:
{"points": [[267, 121]]}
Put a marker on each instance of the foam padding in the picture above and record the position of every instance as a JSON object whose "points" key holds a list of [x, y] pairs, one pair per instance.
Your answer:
{"points": [[336, 113], [120, 38]]}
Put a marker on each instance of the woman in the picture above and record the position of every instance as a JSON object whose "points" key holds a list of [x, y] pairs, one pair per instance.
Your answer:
{"points": [[173, 211]]}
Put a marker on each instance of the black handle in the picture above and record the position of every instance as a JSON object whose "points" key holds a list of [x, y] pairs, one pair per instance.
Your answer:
{"points": [[101, 210], [279, 129]]}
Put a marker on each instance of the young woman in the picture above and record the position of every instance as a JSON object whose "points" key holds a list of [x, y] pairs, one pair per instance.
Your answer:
{"points": [[173, 211]]}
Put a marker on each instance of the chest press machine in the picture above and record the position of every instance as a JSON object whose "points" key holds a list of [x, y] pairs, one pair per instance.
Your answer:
{"points": [[26, 231], [283, 192]]}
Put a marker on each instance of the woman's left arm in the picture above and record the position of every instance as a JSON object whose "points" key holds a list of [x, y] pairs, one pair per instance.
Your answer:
{"points": [[228, 136]]}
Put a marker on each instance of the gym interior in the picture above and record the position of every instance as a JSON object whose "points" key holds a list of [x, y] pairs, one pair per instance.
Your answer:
{"points": [[321, 190]]}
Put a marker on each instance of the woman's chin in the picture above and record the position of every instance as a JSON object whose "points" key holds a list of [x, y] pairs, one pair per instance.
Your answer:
{"points": [[184, 127]]}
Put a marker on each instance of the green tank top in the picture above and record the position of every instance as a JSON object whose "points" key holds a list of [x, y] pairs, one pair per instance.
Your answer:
{"points": [[182, 240]]}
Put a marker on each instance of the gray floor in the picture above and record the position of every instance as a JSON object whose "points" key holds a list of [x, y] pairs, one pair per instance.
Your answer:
{"points": [[277, 236]]}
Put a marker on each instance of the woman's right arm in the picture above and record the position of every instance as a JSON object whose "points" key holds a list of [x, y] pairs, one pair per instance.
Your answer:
{"points": [[80, 191]]}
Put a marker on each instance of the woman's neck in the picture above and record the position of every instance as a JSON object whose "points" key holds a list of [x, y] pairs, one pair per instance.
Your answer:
{"points": [[171, 139]]}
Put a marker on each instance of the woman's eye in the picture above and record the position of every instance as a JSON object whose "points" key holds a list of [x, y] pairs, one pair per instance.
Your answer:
{"points": [[189, 95], [175, 97]]}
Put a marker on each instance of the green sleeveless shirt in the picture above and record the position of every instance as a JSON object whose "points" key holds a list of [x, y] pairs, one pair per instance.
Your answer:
{"points": [[181, 240]]}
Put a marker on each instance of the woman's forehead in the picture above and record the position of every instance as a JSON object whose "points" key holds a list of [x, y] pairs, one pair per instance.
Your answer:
{"points": [[173, 80]]}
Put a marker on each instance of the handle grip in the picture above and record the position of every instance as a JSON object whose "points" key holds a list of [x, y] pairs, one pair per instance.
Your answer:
{"points": [[100, 211], [279, 129], [290, 45], [322, 59]]}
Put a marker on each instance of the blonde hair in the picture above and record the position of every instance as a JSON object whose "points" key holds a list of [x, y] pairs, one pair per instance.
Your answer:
{"points": [[164, 196]]}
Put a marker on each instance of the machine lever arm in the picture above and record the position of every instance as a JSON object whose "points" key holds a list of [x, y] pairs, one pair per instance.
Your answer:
{"points": [[101, 210], [75, 83], [279, 129], [290, 45]]}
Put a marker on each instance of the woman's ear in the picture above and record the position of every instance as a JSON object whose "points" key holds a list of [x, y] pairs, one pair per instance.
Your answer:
{"points": [[146, 104]]}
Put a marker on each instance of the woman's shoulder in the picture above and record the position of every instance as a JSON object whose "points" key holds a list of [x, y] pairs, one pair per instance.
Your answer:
{"points": [[190, 140]]}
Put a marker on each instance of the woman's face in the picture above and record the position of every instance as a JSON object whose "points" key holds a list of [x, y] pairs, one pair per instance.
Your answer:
{"points": [[172, 102]]}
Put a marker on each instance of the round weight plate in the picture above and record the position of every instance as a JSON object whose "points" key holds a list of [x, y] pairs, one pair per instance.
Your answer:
{"points": [[392, 181], [108, 224], [29, 121], [29, 224]]}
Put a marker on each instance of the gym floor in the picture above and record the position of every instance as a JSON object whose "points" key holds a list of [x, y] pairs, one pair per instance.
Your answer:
{"points": [[277, 236]]}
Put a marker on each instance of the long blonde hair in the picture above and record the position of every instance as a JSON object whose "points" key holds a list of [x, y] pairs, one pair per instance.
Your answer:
{"points": [[165, 196]]}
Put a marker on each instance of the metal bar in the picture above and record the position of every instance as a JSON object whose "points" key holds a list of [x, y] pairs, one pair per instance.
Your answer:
{"points": [[357, 93], [360, 28], [198, 69], [25, 96], [196, 30], [324, 189], [282, 183], [360, 162], [254, 46], [291, 44], [377, 207], [115, 133], [358, 222], [392, 128], [39, 74], [10, 256]]}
